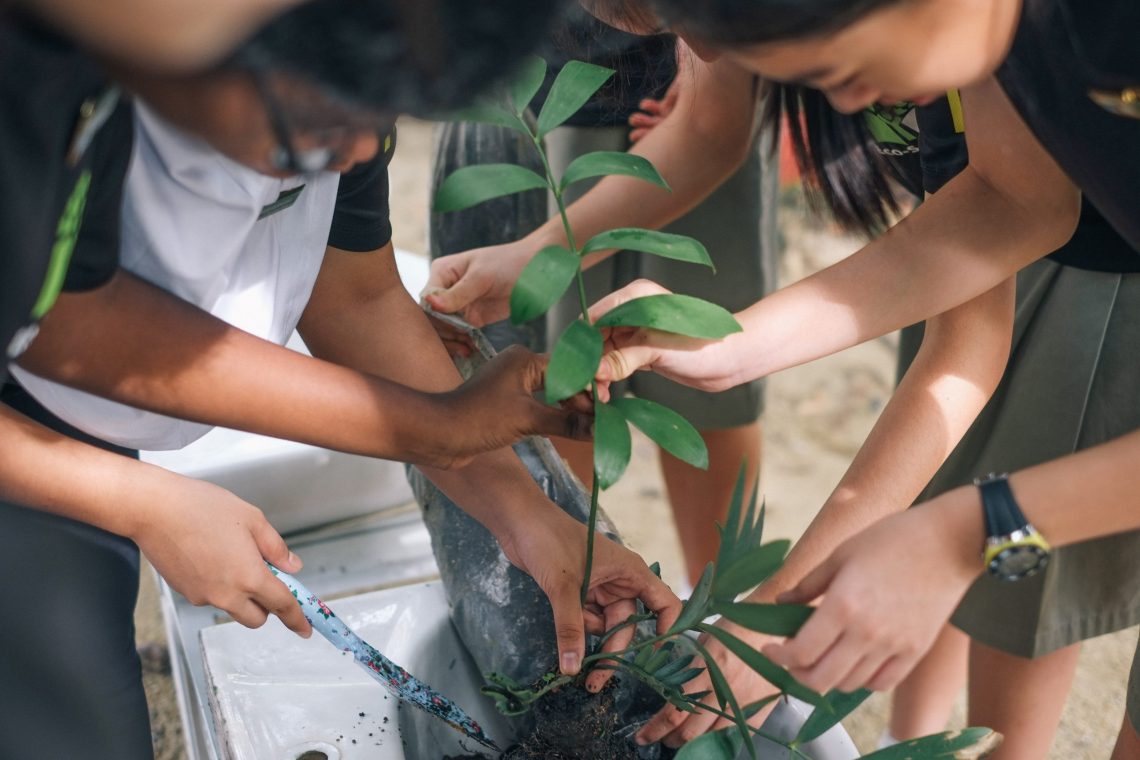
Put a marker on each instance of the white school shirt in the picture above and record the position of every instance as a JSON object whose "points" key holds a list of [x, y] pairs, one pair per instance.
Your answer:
{"points": [[191, 226]]}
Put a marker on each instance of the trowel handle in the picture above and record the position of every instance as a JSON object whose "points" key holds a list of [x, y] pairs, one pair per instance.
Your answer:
{"points": [[319, 615]]}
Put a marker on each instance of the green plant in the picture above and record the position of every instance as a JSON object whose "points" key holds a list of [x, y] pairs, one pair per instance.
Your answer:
{"points": [[664, 662]]}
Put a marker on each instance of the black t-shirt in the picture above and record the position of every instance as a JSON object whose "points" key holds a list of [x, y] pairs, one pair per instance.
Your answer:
{"points": [[941, 146], [644, 66], [1064, 53], [65, 148], [361, 220]]}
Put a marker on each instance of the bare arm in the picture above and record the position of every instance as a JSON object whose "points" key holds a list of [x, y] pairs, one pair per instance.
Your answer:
{"points": [[1009, 207], [134, 343], [209, 544], [696, 147], [963, 355], [360, 315]]}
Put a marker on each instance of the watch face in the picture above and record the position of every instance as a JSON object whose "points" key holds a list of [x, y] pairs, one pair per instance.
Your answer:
{"points": [[1018, 562]]}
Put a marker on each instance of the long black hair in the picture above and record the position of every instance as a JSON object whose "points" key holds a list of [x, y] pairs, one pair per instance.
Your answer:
{"points": [[842, 170]]}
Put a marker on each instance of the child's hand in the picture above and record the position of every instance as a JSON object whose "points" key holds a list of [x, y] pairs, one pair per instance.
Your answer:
{"points": [[212, 547]]}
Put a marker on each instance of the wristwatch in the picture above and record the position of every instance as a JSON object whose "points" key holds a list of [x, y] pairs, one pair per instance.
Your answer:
{"points": [[1014, 549]]}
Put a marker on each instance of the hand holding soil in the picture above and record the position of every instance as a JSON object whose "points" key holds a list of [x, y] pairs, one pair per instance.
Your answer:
{"points": [[552, 550]]}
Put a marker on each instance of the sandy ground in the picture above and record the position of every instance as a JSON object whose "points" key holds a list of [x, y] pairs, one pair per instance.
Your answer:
{"points": [[816, 418]]}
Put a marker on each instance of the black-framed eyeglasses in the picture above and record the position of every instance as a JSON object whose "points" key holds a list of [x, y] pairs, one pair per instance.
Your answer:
{"points": [[285, 156]]}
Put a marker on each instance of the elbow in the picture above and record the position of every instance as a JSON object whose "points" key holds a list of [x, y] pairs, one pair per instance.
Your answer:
{"points": [[1062, 220]]}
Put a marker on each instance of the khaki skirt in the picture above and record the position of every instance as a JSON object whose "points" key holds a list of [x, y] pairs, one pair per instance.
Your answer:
{"points": [[1073, 382]]}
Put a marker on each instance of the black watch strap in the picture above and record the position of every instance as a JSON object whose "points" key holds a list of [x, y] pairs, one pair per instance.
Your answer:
{"points": [[1003, 516]]}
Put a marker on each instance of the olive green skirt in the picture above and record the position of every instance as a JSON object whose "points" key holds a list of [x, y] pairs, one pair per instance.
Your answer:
{"points": [[1073, 382]]}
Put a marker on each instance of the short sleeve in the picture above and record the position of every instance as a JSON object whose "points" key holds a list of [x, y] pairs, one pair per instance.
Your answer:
{"points": [[96, 255], [942, 144], [361, 219]]}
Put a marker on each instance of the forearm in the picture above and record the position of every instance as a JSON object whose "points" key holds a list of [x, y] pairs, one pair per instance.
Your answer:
{"points": [[377, 328], [962, 359], [47, 471], [169, 357]]}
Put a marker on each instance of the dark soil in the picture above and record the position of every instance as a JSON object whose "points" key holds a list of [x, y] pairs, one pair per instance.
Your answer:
{"points": [[573, 724]]}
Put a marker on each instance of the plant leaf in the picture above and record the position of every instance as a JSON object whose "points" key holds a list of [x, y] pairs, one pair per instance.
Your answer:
{"points": [[644, 655], [683, 315], [664, 244], [681, 678], [612, 444], [542, 282], [751, 568], [526, 82], [667, 429], [765, 668], [836, 706], [488, 112], [967, 744], [774, 619], [727, 699], [729, 532], [472, 185], [693, 612], [660, 658], [572, 88], [606, 162], [573, 362], [675, 666], [724, 744]]}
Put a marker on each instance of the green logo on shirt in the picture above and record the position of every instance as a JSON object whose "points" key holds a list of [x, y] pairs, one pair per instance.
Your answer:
{"points": [[65, 236]]}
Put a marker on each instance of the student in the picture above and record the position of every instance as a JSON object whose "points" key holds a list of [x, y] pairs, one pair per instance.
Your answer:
{"points": [[103, 566], [736, 223], [912, 569]]}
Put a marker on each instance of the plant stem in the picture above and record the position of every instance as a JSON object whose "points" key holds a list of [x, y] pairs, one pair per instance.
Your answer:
{"points": [[583, 302]]}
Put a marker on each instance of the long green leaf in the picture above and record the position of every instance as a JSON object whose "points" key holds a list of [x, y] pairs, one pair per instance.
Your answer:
{"points": [[681, 678], [836, 706], [669, 312], [664, 244], [606, 162], [526, 82], [731, 528], [573, 362], [967, 744], [542, 282], [574, 85], [773, 619], [472, 185], [612, 444], [765, 668], [749, 569], [675, 666], [667, 429], [694, 610], [723, 690], [724, 744]]}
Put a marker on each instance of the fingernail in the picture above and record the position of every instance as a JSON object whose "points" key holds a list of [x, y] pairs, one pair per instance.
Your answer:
{"points": [[294, 560], [640, 740], [570, 664]]}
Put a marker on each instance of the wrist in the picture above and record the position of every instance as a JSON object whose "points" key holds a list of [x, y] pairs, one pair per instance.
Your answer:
{"points": [[960, 525]]}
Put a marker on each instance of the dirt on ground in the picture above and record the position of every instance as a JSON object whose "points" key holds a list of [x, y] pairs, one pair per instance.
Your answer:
{"points": [[816, 418]]}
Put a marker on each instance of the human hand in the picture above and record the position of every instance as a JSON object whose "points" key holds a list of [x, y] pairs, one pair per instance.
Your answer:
{"points": [[694, 362], [652, 112], [212, 547], [887, 592], [498, 407], [674, 728], [551, 548], [477, 284]]}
